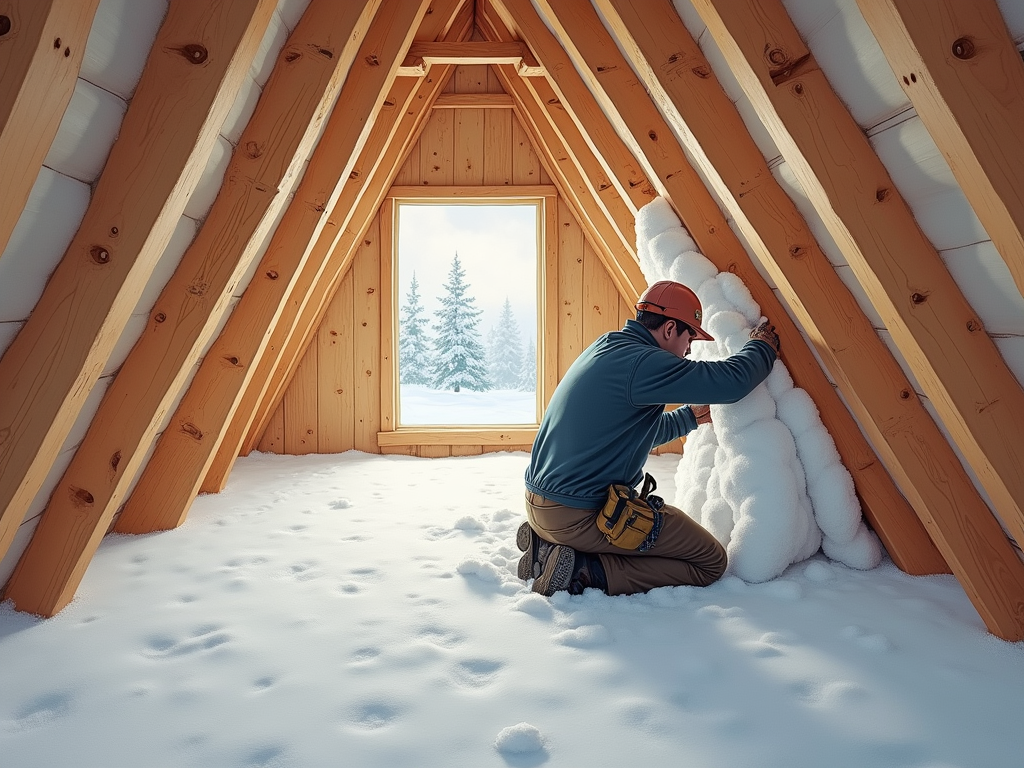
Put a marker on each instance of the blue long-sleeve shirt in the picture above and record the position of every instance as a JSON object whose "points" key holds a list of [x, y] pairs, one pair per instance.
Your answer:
{"points": [[608, 412]]}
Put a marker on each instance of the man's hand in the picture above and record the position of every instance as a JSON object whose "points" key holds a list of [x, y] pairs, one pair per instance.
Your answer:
{"points": [[766, 333], [702, 413]]}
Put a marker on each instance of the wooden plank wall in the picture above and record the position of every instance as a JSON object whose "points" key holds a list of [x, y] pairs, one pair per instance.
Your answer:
{"points": [[333, 402]]}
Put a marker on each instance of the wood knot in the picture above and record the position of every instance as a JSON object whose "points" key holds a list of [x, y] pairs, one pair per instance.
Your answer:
{"points": [[388, 104], [194, 53], [964, 48], [334, 333], [5, 26], [904, 394], [99, 254], [81, 497], [367, 242], [198, 288], [192, 430], [602, 70], [233, 360], [798, 89], [703, 72], [354, 175], [114, 232], [292, 56], [777, 56], [115, 460], [974, 325], [67, 53], [309, 431], [653, 136], [882, 194], [369, 372], [731, 268], [252, 149], [797, 252], [909, 80], [327, 53], [56, 40], [372, 60], [272, 274], [160, 317], [919, 298], [370, 290]]}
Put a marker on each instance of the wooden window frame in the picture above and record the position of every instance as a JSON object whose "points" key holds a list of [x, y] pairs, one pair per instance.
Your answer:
{"points": [[547, 282]]}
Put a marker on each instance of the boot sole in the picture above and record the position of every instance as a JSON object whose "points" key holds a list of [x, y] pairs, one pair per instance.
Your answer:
{"points": [[557, 571], [526, 540]]}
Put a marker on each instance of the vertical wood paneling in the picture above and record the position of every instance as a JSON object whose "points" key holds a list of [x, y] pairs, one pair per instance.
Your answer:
{"points": [[336, 395], [273, 436], [388, 298], [300, 407], [570, 288], [366, 308], [526, 168], [437, 149], [469, 127]]}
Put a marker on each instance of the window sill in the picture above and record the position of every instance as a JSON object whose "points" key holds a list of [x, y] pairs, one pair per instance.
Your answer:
{"points": [[518, 435]]}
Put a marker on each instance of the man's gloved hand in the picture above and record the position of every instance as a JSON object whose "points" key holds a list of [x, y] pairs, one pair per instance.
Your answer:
{"points": [[702, 413], [766, 333]]}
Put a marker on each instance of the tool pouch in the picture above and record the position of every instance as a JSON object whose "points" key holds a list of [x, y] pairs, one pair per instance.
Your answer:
{"points": [[630, 520]]}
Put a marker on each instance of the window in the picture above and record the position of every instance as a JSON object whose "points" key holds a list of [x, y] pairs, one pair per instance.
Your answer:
{"points": [[464, 344]]}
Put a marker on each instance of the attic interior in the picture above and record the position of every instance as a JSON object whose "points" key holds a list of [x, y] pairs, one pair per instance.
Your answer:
{"points": [[197, 236]]}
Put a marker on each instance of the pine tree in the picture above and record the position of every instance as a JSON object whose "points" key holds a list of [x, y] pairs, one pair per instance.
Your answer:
{"points": [[527, 379], [414, 343], [506, 350], [459, 359]]}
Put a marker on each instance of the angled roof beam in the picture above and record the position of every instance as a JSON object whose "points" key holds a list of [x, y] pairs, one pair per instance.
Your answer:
{"points": [[395, 133], [957, 364], [171, 480], [305, 82], [422, 55], [404, 110], [42, 43], [360, 205], [617, 88], [667, 59], [197, 64], [564, 94], [964, 76]]}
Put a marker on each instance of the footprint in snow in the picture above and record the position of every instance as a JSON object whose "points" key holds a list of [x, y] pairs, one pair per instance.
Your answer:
{"points": [[440, 636], [340, 504], [204, 638], [373, 715], [476, 673], [867, 640], [41, 711], [587, 636]]}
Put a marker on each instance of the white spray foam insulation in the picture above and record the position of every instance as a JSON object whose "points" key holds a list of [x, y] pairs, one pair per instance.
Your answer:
{"points": [[765, 478]]}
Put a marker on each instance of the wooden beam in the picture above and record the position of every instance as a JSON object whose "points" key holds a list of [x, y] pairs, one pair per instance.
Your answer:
{"points": [[956, 363], [361, 212], [680, 79], [198, 62], [42, 43], [611, 79], [962, 72], [468, 52], [284, 127], [470, 192], [473, 101], [564, 94], [607, 232], [172, 478], [404, 109]]}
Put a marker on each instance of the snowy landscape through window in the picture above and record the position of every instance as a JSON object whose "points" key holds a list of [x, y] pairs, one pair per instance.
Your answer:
{"points": [[467, 313]]}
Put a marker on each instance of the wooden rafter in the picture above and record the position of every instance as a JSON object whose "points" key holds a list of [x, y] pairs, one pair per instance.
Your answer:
{"points": [[283, 128], [342, 252], [957, 364], [42, 43], [564, 94], [200, 58], [383, 155], [963, 74], [170, 482], [680, 78], [611, 79]]}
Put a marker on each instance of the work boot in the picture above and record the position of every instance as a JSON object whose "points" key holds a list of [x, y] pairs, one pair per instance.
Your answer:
{"points": [[587, 573], [532, 563], [557, 566]]}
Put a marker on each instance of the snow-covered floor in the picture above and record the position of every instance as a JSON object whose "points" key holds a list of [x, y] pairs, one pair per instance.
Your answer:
{"points": [[361, 610]]}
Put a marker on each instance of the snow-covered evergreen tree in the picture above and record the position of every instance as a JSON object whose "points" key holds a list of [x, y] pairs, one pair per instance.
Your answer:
{"points": [[527, 378], [414, 343], [506, 347], [459, 359]]}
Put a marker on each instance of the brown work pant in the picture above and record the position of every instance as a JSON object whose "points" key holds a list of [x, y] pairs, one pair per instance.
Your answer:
{"points": [[684, 552]]}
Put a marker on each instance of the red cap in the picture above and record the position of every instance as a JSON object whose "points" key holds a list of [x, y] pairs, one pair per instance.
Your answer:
{"points": [[677, 301]]}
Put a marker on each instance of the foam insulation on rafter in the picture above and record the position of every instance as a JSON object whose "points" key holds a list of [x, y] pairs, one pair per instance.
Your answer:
{"points": [[765, 477]]}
